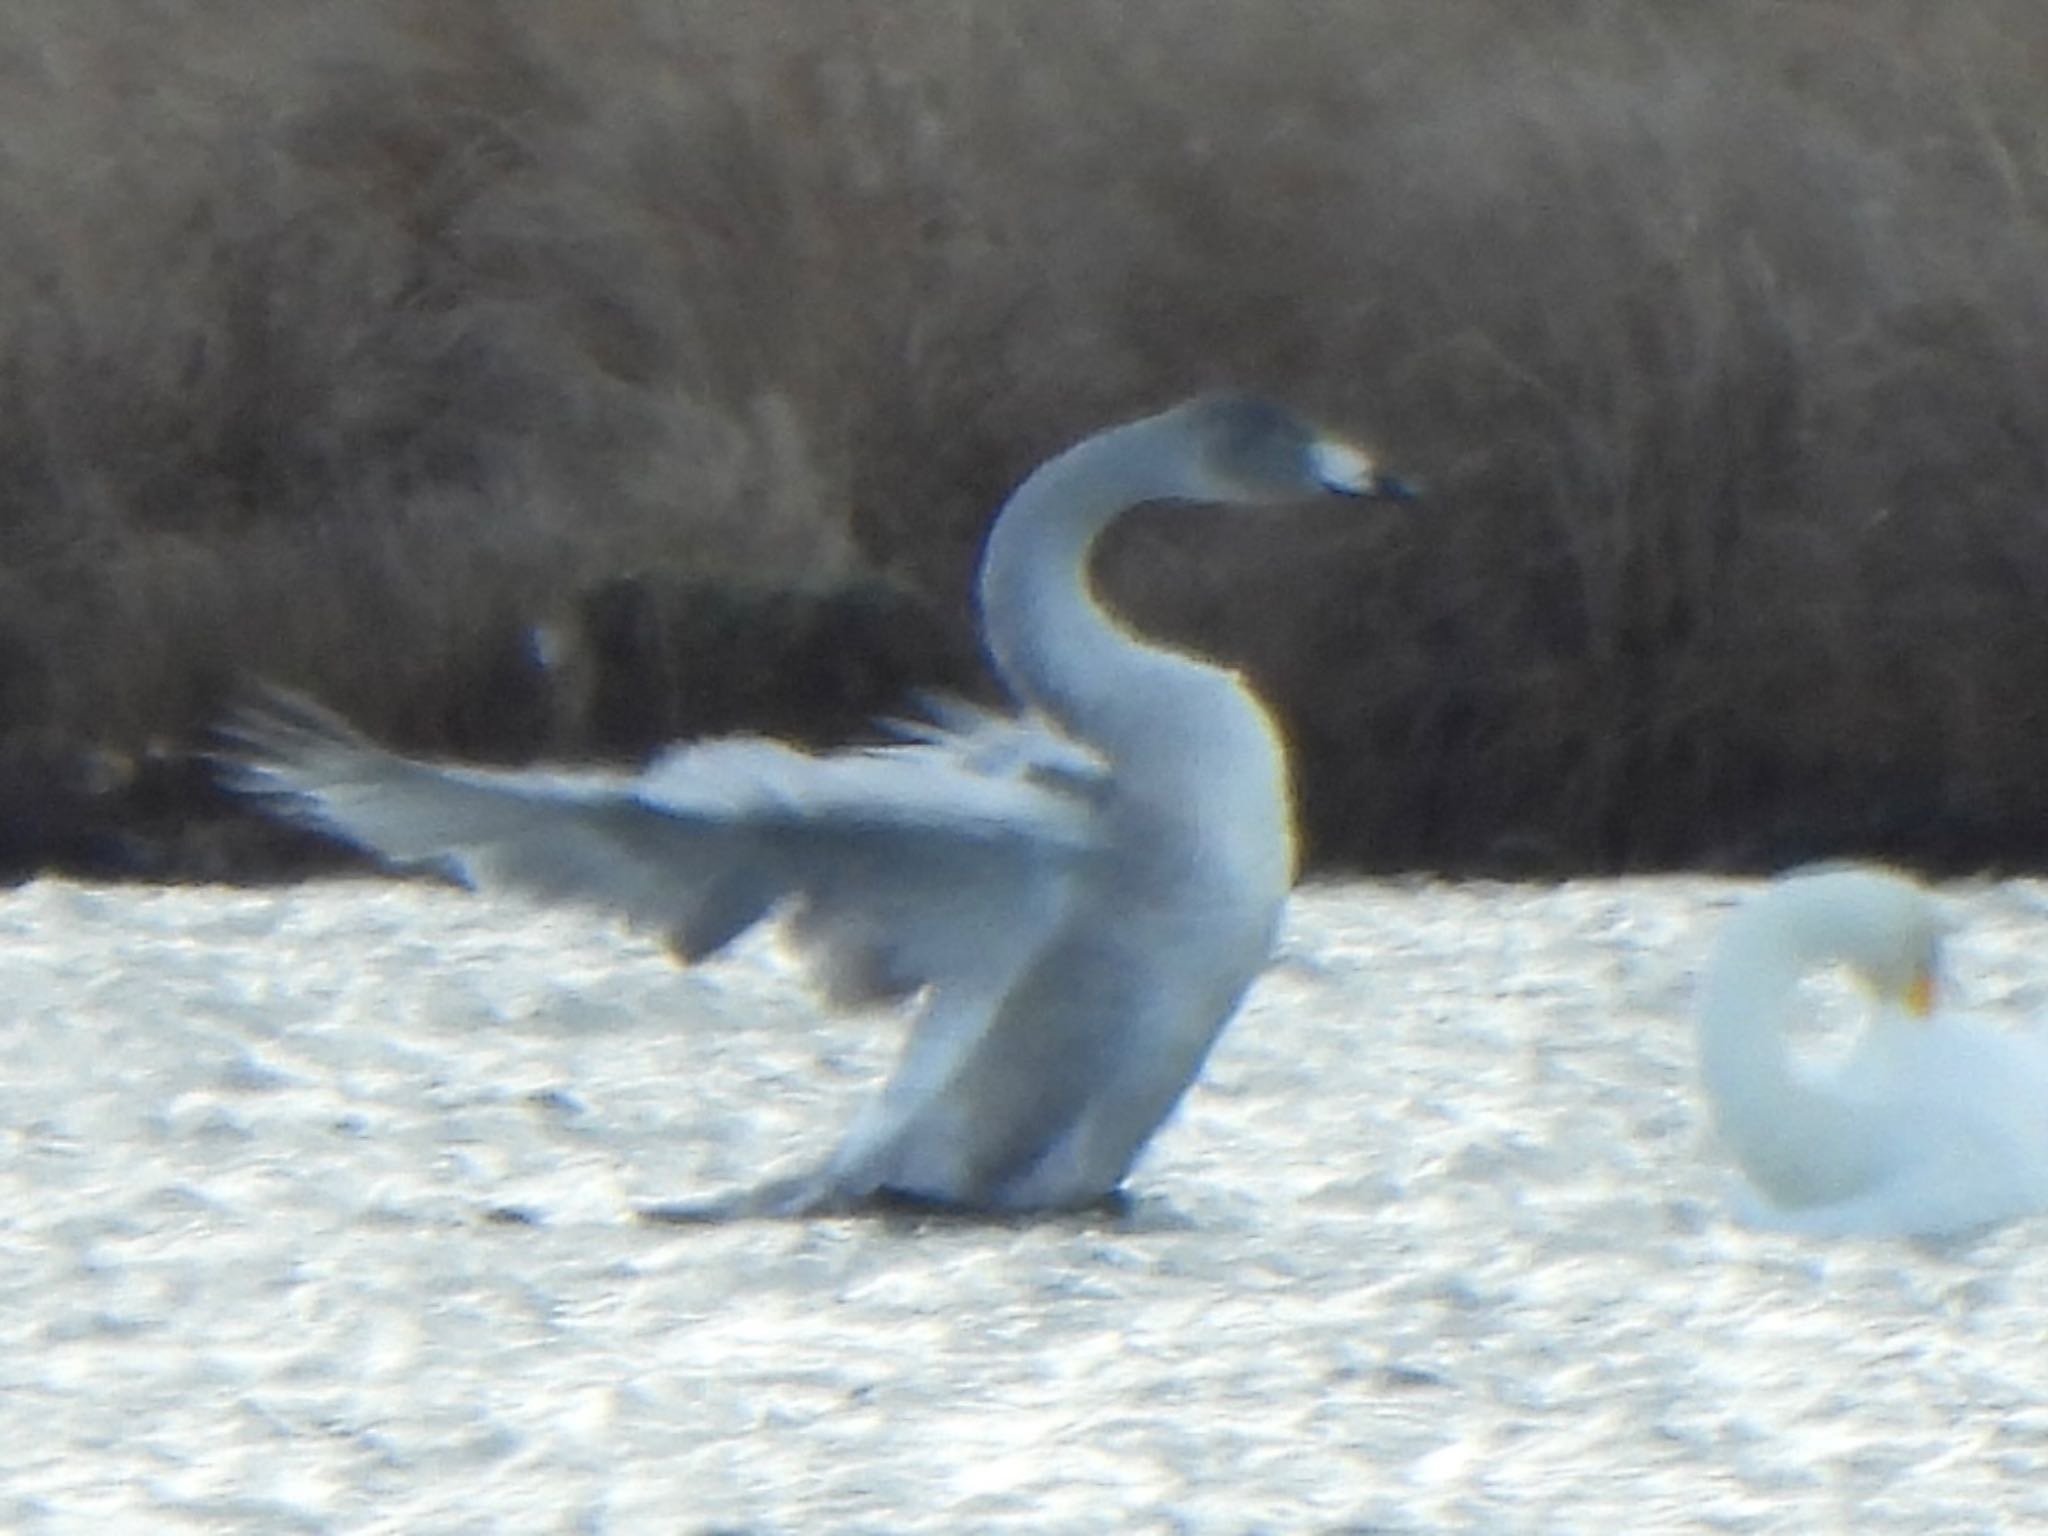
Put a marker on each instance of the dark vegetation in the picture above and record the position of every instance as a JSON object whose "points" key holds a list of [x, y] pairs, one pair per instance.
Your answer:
{"points": [[557, 379]]}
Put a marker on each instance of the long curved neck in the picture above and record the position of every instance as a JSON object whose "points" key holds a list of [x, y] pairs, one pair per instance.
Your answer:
{"points": [[1798, 1141], [1744, 1059], [1050, 639]]}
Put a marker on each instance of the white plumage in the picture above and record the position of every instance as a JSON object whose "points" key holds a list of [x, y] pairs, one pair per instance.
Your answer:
{"points": [[1933, 1125]]}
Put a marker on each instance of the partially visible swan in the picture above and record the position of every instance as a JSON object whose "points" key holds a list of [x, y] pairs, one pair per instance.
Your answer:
{"points": [[1933, 1126], [1083, 891]]}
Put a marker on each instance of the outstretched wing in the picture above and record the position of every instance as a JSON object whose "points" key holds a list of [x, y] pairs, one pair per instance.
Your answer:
{"points": [[896, 866]]}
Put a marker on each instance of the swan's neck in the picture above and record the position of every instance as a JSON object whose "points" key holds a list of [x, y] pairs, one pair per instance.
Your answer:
{"points": [[1799, 1140], [1049, 637]]}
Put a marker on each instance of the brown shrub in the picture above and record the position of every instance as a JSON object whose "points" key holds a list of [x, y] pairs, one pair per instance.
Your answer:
{"points": [[400, 350]]}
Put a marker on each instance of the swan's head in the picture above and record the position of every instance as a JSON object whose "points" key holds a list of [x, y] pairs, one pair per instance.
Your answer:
{"points": [[1250, 450], [1886, 929]]}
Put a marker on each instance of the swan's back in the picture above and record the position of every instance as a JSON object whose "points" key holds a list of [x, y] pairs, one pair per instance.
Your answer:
{"points": [[1974, 1097]]}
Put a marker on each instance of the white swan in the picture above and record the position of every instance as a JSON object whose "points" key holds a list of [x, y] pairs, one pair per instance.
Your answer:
{"points": [[1083, 891], [1933, 1126]]}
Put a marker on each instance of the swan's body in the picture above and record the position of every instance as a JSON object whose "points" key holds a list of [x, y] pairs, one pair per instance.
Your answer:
{"points": [[1934, 1125], [1082, 892]]}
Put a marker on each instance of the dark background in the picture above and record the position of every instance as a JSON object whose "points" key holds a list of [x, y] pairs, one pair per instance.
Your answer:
{"points": [[555, 380]]}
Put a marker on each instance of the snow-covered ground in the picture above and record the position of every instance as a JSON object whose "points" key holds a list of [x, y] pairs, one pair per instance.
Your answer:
{"points": [[317, 1216]]}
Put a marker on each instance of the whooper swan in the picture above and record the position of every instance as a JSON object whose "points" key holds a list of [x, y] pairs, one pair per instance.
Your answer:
{"points": [[1081, 892], [1932, 1126]]}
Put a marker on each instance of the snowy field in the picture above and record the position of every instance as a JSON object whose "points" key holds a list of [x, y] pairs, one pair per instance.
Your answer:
{"points": [[318, 1217]]}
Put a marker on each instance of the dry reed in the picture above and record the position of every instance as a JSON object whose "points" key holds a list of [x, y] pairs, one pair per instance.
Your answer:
{"points": [[557, 379]]}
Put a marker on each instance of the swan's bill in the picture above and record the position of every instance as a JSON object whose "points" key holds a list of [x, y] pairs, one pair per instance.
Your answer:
{"points": [[1920, 993], [1343, 468], [1349, 471]]}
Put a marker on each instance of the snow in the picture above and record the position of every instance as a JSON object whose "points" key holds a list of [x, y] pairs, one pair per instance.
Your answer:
{"points": [[318, 1216]]}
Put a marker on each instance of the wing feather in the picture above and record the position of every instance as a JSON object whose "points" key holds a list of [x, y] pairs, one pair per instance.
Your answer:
{"points": [[897, 866]]}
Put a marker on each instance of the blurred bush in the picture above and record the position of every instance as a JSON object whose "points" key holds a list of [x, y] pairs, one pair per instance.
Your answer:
{"points": [[554, 380]]}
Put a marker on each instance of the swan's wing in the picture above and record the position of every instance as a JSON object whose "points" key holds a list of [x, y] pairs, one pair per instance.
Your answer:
{"points": [[907, 866], [1004, 746], [897, 866]]}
